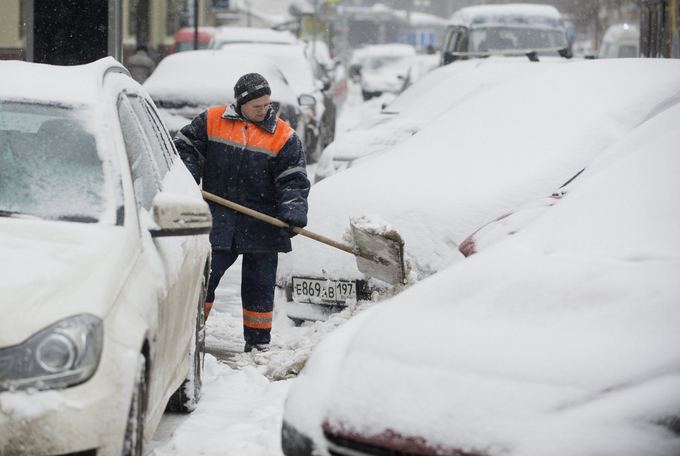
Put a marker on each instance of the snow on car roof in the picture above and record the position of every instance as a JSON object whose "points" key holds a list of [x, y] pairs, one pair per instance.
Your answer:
{"points": [[510, 14], [208, 77], [560, 340], [226, 35], [512, 143], [438, 91], [292, 60], [72, 85]]}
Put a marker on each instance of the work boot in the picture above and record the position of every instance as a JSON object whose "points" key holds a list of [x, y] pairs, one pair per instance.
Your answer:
{"points": [[207, 307], [255, 347]]}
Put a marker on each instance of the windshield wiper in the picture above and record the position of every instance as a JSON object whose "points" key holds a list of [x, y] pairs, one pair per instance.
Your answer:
{"points": [[6, 213], [77, 218], [65, 218]]}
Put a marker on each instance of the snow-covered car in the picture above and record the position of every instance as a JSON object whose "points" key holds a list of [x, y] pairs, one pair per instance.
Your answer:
{"points": [[187, 83], [105, 256], [510, 144], [307, 80], [420, 104], [482, 30], [237, 35], [395, 77], [383, 68], [562, 340], [620, 41]]}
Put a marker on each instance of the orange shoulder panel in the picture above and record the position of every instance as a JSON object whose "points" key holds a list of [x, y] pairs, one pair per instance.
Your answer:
{"points": [[256, 139], [222, 128], [272, 143]]}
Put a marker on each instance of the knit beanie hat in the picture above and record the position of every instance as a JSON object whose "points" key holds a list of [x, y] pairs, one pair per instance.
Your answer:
{"points": [[249, 87]]}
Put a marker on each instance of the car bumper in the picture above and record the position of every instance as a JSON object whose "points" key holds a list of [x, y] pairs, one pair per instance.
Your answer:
{"points": [[90, 417]]}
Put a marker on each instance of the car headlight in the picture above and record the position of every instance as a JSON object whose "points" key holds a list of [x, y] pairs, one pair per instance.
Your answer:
{"points": [[61, 355]]}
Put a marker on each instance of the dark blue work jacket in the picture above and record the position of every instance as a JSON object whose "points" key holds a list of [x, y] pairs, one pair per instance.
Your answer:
{"points": [[257, 165]]}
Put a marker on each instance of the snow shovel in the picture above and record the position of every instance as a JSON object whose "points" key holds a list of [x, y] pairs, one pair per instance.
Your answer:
{"points": [[378, 255]]}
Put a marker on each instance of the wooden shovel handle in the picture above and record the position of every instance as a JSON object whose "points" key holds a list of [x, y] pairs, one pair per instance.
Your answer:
{"points": [[276, 222]]}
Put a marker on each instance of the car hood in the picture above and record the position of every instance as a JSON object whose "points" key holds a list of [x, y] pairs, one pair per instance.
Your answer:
{"points": [[52, 270]]}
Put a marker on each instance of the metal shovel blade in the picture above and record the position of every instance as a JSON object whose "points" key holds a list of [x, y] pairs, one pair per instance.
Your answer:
{"points": [[380, 254]]}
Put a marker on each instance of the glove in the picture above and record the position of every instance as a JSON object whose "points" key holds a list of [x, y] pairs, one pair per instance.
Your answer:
{"points": [[289, 231]]}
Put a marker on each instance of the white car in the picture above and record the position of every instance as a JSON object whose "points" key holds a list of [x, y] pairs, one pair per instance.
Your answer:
{"points": [[562, 340], [517, 28], [507, 145], [236, 35], [380, 68], [620, 41], [105, 256]]}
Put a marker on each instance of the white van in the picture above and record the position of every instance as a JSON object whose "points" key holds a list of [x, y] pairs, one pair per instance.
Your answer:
{"points": [[520, 28], [620, 40]]}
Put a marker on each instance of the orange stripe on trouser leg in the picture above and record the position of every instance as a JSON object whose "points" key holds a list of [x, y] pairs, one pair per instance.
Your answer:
{"points": [[257, 320], [207, 307]]}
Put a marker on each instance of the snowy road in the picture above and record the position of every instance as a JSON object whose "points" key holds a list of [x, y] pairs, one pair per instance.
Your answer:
{"points": [[241, 405]]}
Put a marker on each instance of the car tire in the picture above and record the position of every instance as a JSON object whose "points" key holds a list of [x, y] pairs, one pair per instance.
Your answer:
{"points": [[185, 398], [133, 442], [366, 95]]}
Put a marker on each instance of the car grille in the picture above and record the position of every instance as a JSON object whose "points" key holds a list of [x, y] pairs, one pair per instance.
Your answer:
{"points": [[348, 446], [338, 446]]}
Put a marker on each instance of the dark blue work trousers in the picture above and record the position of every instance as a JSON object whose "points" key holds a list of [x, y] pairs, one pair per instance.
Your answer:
{"points": [[258, 280]]}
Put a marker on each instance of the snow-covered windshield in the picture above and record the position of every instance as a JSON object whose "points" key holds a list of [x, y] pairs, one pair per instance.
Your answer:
{"points": [[500, 38], [49, 165]]}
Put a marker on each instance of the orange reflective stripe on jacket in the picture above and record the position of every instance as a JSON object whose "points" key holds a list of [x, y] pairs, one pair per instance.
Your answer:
{"points": [[257, 320], [244, 135]]}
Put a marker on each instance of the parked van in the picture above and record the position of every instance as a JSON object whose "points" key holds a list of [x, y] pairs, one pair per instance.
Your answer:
{"points": [[620, 40], [483, 30]]}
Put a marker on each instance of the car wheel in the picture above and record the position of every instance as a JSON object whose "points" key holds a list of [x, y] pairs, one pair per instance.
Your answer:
{"points": [[185, 398], [133, 443], [366, 95]]}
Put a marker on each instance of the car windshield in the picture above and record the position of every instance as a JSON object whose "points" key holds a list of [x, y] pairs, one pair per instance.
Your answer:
{"points": [[49, 165], [502, 38]]}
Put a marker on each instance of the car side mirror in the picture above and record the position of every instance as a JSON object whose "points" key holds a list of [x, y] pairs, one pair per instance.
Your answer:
{"points": [[178, 215], [448, 57], [306, 100]]}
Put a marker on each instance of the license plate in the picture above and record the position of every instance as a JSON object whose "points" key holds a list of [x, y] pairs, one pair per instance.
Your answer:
{"points": [[322, 291]]}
